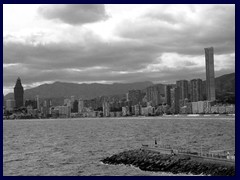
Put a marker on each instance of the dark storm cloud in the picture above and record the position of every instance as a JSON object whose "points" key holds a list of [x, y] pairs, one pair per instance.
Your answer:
{"points": [[180, 33], [52, 56], [74, 14]]}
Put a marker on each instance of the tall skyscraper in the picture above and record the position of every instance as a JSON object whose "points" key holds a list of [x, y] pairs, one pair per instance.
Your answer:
{"points": [[168, 94], [183, 89], [210, 77], [72, 101], [135, 96], [155, 94], [175, 94], [196, 93], [38, 102], [47, 103], [80, 106], [18, 94], [106, 109]]}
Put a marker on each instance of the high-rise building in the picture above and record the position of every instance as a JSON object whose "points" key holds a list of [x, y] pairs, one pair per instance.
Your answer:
{"points": [[196, 93], [63, 111], [210, 77], [31, 103], [72, 98], [168, 94], [183, 102], [183, 89], [155, 94], [106, 109], [137, 110], [80, 106], [125, 111], [18, 94], [10, 104], [135, 96], [175, 94], [93, 103], [67, 102], [72, 101], [47, 103], [75, 106], [127, 94], [38, 102]]}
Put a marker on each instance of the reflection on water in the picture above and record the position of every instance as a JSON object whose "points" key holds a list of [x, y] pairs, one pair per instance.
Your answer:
{"points": [[75, 147]]}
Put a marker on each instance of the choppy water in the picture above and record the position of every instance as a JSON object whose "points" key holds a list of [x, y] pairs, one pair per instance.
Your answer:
{"points": [[73, 147]]}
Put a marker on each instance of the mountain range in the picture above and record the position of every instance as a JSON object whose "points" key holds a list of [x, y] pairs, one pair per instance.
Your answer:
{"points": [[84, 91], [224, 84]]}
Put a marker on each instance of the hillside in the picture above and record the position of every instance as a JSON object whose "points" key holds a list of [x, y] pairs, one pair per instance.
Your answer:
{"points": [[85, 91], [224, 84], [225, 88]]}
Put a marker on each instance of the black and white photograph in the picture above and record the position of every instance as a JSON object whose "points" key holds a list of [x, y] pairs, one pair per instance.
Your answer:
{"points": [[118, 89]]}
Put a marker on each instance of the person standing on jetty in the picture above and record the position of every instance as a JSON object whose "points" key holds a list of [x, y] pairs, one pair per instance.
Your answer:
{"points": [[228, 155]]}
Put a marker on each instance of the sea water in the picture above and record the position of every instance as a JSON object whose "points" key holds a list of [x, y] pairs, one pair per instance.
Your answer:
{"points": [[75, 147]]}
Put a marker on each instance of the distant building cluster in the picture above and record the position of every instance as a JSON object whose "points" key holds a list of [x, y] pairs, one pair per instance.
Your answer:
{"points": [[184, 97]]}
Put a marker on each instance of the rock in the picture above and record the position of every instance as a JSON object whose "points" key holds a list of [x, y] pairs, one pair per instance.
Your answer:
{"points": [[153, 161]]}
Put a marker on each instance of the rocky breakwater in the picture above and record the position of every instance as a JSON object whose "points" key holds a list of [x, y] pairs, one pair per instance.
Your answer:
{"points": [[148, 160]]}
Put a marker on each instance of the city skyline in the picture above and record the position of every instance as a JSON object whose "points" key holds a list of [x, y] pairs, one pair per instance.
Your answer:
{"points": [[52, 43]]}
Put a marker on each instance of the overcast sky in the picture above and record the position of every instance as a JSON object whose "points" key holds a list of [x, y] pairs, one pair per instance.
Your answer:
{"points": [[114, 43]]}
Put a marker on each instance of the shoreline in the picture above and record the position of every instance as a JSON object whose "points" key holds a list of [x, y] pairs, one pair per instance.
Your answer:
{"points": [[209, 117]]}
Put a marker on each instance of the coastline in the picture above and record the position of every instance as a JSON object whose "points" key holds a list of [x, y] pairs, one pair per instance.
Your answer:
{"points": [[219, 117]]}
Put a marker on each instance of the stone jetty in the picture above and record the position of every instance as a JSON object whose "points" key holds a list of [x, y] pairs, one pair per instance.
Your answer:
{"points": [[148, 160]]}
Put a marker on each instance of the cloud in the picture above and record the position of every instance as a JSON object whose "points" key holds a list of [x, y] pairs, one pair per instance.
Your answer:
{"points": [[163, 44], [74, 14], [119, 62], [117, 55], [184, 29]]}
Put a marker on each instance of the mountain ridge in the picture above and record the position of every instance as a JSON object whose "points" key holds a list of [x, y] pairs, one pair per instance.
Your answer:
{"points": [[224, 84], [85, 91]]}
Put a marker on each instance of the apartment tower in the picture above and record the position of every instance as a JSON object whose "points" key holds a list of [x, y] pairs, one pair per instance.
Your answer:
{"points": [[210, 77]]}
